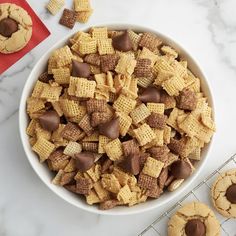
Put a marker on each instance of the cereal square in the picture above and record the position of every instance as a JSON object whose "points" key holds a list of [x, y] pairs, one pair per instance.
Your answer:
{"points": [[152, 167], [114, 150], [82, 5], [54, 6], [109, 62], [150, 41], [125, 65], [99, 33], [68, 18], [144, 134], [105, 46], [156, 120], [140, 113], [85, 88], [124, 104], [61, 75], [146, 181], [125, 122], [143, 68], [124, 195]]}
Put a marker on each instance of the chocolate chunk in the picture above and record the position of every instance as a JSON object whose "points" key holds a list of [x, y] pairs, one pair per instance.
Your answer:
{"points": [[49, 120], [80, 69], [110, 129], [84, 161], [195, 227], [150, 94], [231, 193], [131, 164], [8, 26], [181, 169], [122, 42]]}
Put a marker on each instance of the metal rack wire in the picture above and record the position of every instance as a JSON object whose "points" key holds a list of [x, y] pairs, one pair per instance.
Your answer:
{"points": [[198, 193]]}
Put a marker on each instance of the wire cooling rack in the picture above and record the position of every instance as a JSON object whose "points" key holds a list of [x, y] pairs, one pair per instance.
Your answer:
{"points": [[200, 193]]}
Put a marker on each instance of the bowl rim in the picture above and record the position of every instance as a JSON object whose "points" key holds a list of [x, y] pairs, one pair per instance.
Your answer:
{"points": [[129, 210]]}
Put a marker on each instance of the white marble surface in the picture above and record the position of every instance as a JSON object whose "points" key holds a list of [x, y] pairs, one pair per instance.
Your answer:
{"points": [[207, 28]]}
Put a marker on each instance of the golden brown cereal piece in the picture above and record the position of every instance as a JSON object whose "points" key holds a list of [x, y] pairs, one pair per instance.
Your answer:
{"points": [[99, 32], [143, 68], [114, 150], [103, 141], [54, 6], [61, 75], [71, 166], [130, 147], [169, 51], [63, 56], [150, 41], [109, 204], [124, 104], [82, 5], [71, 132], [85, 125], [90, 146], [102, 193], [125, 122], [109, 62], [124, 195], [72, 148], [83, 16], [85, 88], [85, 47], [146, 181], [144, 134], [173, 85], [83, 186], [156, 107], [140, 113], [43, 148], [125, 65], [156, 120], [110, 183], [94, 105], [105, 46], [187, 100], [92, 198], [135, 38], [93, 59], [152, 167]]}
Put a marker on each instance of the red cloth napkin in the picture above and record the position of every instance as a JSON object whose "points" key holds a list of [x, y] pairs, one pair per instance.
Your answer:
{"points": [[39, 33]]}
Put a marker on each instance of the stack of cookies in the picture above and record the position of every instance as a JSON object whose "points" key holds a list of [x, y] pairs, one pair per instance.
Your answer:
{"points": [[119, 117]]}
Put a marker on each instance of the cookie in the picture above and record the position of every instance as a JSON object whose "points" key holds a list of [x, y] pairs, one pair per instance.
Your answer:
{"points": [[194, 219], [15, 28], [223, 194], [90, 106]]}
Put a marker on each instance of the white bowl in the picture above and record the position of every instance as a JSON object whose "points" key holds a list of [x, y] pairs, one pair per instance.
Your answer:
{"points": [[44, 173]]}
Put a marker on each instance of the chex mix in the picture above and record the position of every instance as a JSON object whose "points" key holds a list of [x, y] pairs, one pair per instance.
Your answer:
{"points": [[118, 117]]}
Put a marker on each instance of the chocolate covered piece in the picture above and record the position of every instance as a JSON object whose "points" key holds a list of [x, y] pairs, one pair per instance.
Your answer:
{"points": [[150, 94], [84, 161], [49, 120], [195, 227], [110, 129], [8, 26], [231, 193], [80, 69], [181, 169], [122, 42], [131, 164]]}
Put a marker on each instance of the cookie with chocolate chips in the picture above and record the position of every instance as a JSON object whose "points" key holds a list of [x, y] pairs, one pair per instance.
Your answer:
{"points": [[194, 219], [223, 194], [15, 28]]}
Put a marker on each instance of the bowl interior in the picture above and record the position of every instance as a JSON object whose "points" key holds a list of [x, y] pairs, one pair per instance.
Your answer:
{"points": [[44, 173]]}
